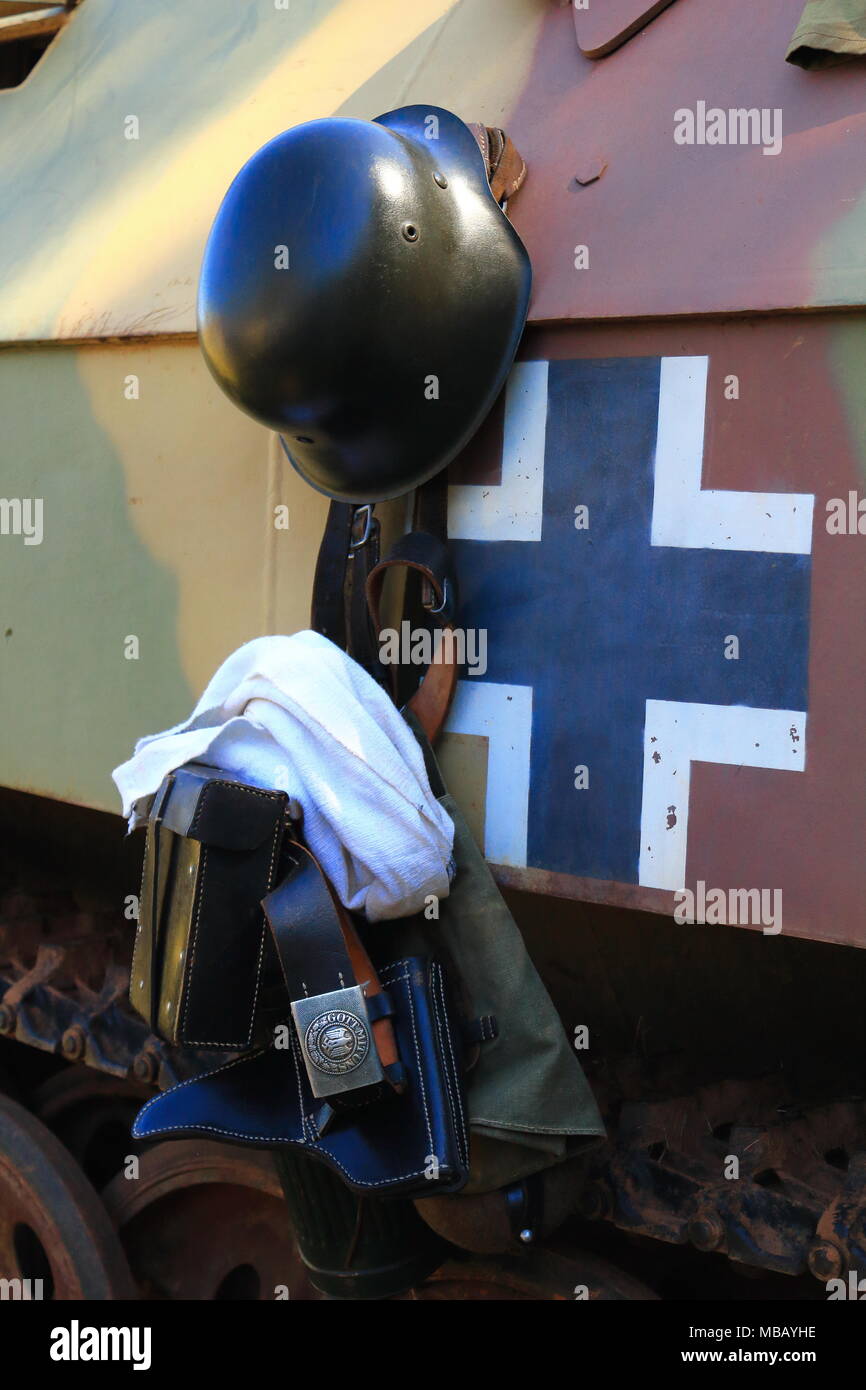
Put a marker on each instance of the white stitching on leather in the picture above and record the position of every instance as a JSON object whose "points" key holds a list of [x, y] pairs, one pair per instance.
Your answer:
{"points": [[139, 935], [405, 976], [456, 1106], [294, 1049], [238, 786], [327, 1158], [187, 974], [190, 1042], [438, 1021], [136, 950], [226, 1066], [303, 1143], [438, 982], [252, 1138]]}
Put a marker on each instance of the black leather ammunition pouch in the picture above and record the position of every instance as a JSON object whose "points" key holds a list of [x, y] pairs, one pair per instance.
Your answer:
{"points": [[211, 854]]}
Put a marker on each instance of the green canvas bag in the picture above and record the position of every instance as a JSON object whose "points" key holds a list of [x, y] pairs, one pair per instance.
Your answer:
{"points": [[528, 1101], [829, 32]]}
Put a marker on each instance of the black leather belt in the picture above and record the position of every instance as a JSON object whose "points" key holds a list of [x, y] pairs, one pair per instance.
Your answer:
{"points": [[340, 1010]]}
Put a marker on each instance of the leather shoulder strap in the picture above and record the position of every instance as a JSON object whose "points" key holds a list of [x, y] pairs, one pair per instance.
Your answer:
{"points": [[348, 551], [328, 610]]}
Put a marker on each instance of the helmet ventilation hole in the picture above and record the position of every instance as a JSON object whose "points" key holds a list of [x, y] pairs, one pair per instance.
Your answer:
{"points": [[410, 231]]}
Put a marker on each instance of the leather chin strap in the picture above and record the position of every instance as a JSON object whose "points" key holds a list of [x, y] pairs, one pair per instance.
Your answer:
{"points": [[506, 169]]}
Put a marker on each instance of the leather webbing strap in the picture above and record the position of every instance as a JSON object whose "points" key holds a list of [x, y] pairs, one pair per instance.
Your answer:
{"points": [[328, 609], [349, 550], [363, 557], [424, 551], [320, 950]]}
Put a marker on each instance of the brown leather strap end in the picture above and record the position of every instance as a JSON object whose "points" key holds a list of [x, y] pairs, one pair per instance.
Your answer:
{"points": [[506, 168], [366, 976], [429, 557]]}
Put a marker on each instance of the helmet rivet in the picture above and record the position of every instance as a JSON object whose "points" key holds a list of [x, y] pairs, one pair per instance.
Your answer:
{"points": [[440, 179], [410, 231]]}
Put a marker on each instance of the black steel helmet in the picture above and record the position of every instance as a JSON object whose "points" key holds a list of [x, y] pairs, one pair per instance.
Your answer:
{"points": [[363, 293]]}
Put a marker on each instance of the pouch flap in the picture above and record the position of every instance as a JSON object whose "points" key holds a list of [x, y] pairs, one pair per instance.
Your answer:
{"points": [[210, 805]]}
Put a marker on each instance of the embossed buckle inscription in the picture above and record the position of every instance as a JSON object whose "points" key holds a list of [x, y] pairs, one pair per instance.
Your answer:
{"points": [[336, 1042]]}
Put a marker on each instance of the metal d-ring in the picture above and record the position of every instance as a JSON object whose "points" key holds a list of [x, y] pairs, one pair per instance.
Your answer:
{"points": [[443, 605], [367, 510]]}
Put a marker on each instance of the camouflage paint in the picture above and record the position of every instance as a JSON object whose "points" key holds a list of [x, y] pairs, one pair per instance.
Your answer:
{"points": [[158, 523], [102, 235], [690, 229], [159, 511]]}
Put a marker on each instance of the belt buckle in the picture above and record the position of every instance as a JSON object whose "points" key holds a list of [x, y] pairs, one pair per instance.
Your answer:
{"points": [[337, 1041]]}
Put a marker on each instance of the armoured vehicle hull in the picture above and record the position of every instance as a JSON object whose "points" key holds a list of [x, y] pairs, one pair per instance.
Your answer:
{"points": [[659, 534]]}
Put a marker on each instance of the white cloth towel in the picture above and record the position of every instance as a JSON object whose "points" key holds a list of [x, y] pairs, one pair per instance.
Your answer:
{"points": [[297, 714]]}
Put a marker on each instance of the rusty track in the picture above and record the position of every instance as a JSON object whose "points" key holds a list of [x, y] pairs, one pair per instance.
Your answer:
{"points": [[742, 1169], [64, 983], [796, 1204]]}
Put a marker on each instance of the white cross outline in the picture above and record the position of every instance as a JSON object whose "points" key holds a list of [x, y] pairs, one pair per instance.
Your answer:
{"points": [[684, 515]]}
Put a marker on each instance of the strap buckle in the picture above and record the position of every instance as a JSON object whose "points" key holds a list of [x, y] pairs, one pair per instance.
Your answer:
{"points": [[337, 1041], [365, 511]]}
